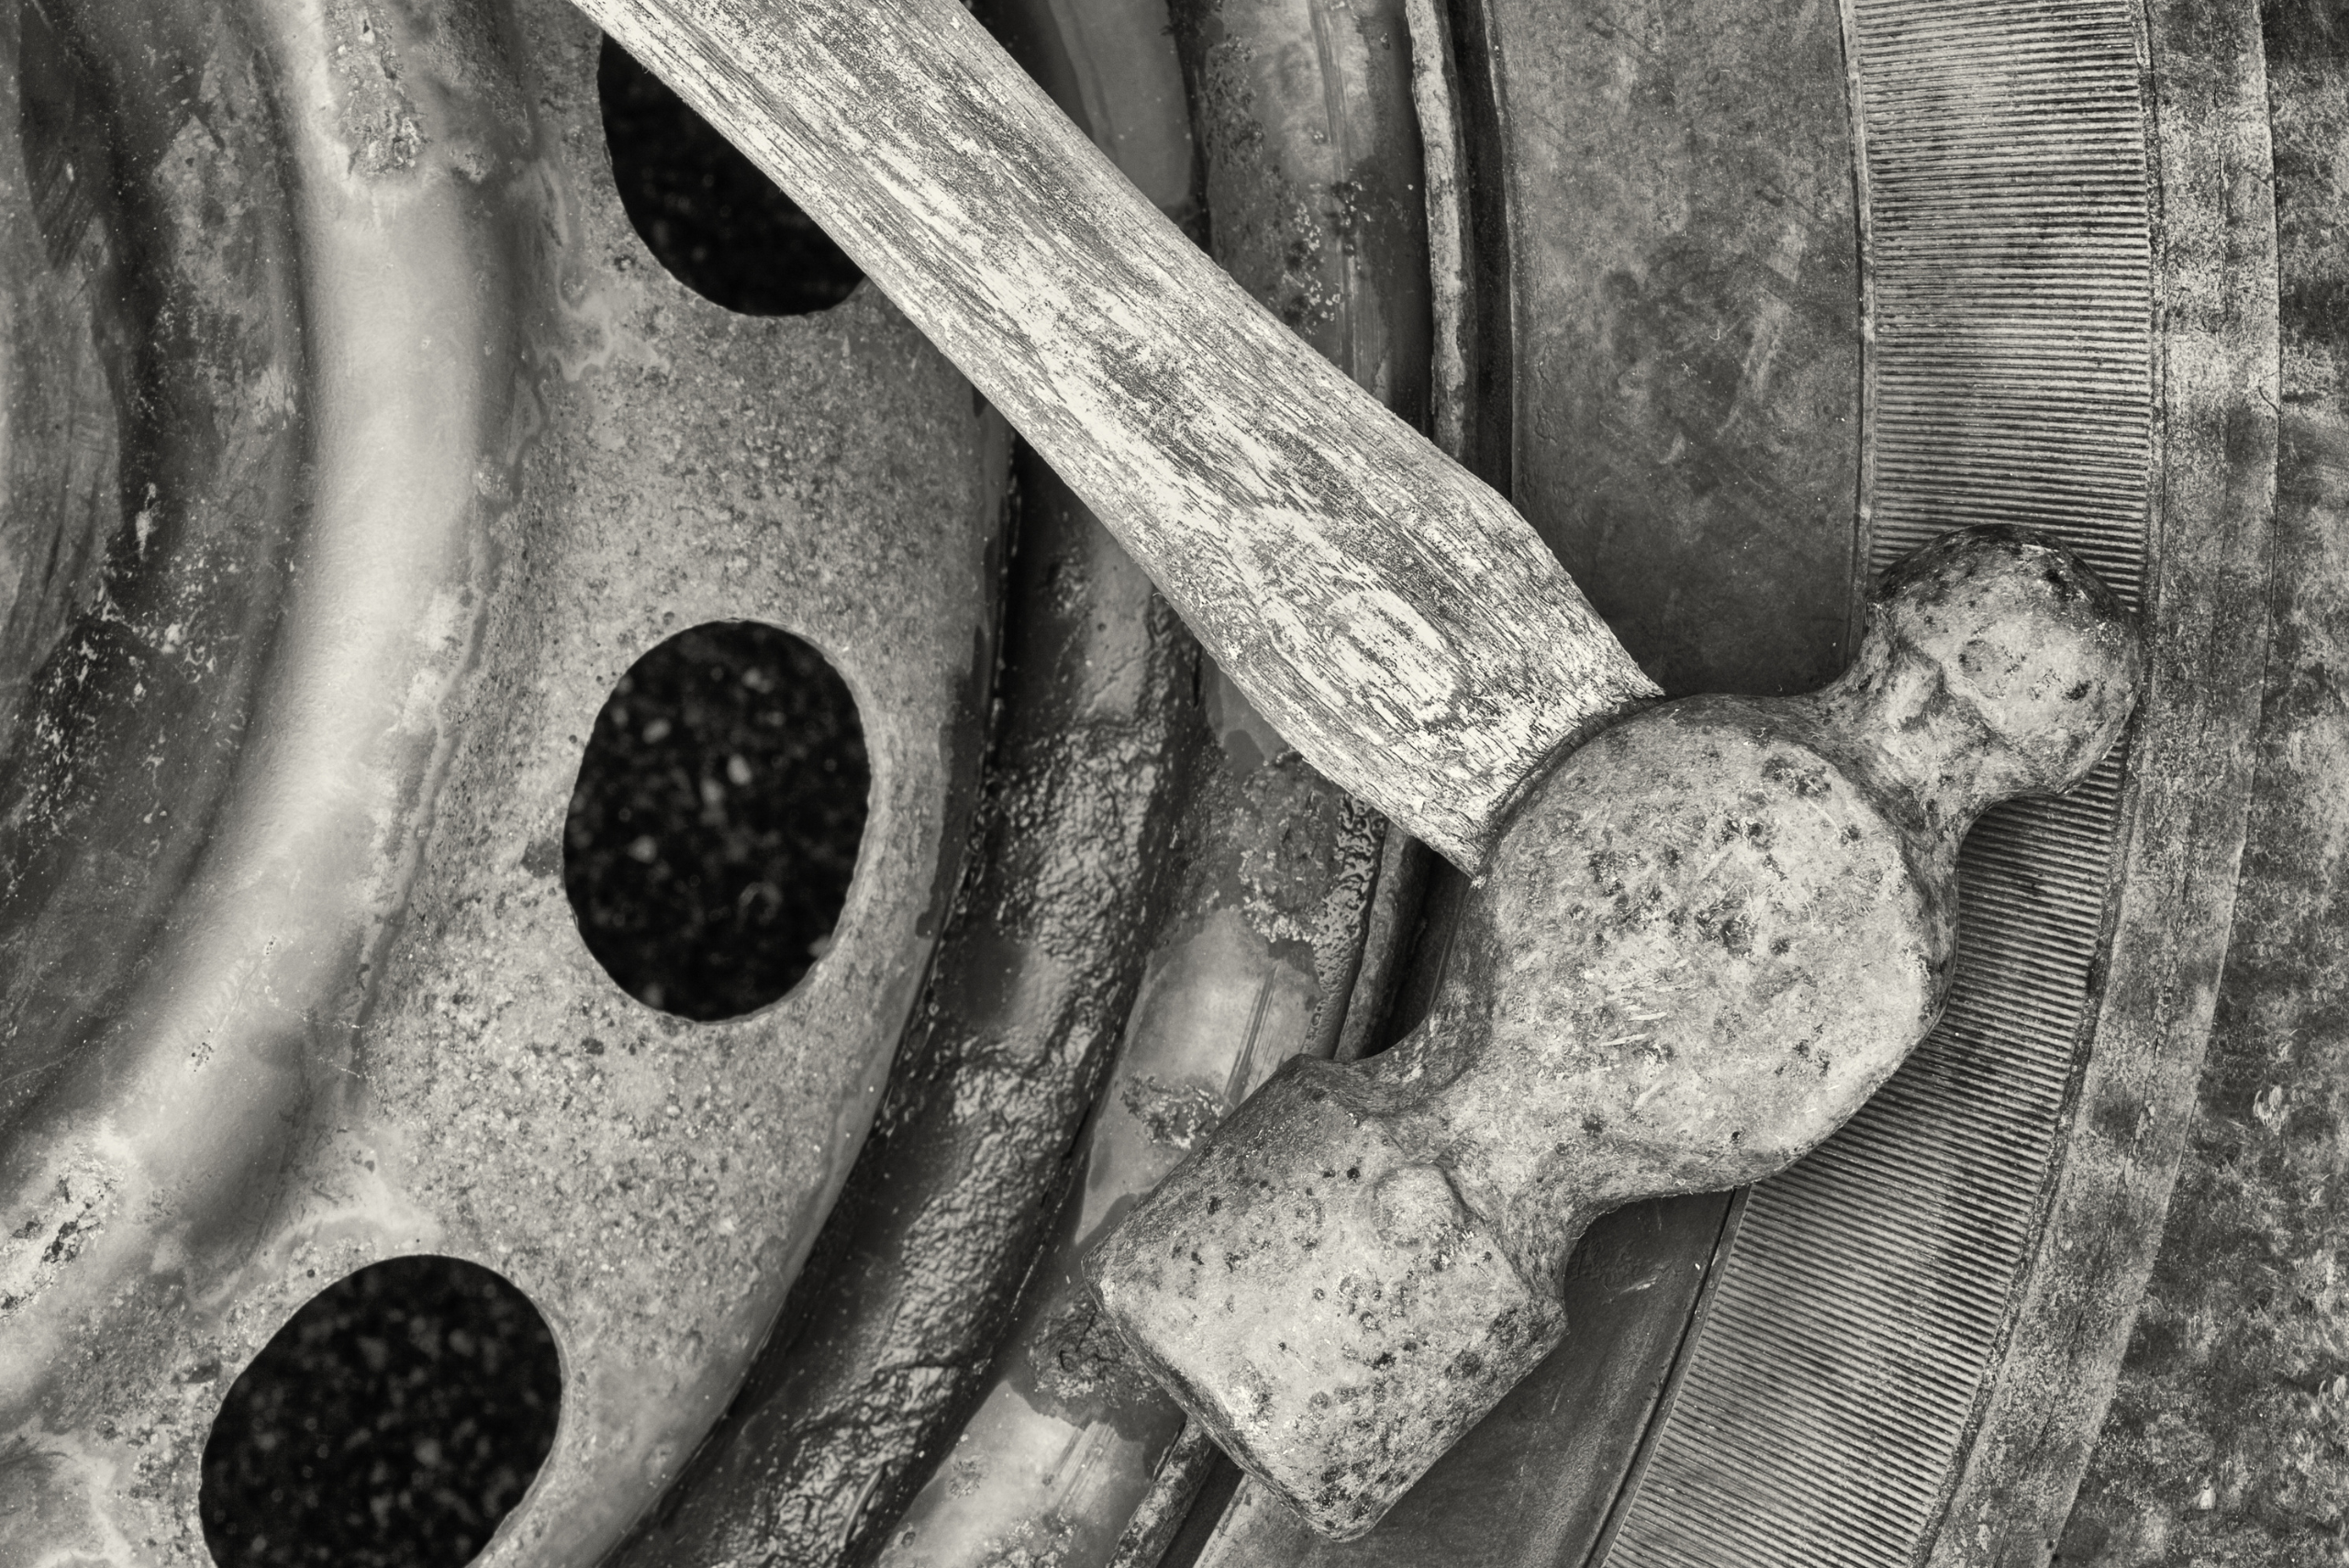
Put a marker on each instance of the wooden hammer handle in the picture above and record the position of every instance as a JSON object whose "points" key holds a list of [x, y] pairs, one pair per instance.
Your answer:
{"points": [[1402, 627]]}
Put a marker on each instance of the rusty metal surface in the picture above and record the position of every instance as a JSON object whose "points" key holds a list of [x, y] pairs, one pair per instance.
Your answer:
{"points": [[1533, 1483], [1253, 965], [1804, 1484], [563, 557], [2225, 1442], [1685, 305], [477, 454], [1314, 177], [1860, 1365], [1264, 948], [887, 1345], [851, 1419], [65, 345], [2211, 511]]}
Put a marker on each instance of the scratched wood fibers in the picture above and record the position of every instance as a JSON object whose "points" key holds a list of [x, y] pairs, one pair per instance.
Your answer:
{"points": [[1393, 618]]}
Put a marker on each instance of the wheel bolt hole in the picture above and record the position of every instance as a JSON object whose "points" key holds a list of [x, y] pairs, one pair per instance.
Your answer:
{"points": [[715, 827], [709, 215], [391, 1423]]}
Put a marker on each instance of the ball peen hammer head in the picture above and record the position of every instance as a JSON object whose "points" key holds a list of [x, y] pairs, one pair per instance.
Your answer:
{"points": [[1704, 938], [1997, 657]]}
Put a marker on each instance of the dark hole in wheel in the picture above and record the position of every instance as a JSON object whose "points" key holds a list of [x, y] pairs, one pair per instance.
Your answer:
{"points": [[716, 820], [720, 226], [392, 1423]]}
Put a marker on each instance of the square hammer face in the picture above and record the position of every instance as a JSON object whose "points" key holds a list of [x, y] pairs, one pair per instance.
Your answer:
{"points": [[1302, 1197]]}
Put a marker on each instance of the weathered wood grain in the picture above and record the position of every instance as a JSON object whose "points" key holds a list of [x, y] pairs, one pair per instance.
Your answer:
{"points": [[1402, 627]]}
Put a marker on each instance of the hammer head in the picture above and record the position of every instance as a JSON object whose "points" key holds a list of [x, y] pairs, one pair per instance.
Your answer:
{"points": [[1996, 664], [1388, 1283], [1704, 939]]}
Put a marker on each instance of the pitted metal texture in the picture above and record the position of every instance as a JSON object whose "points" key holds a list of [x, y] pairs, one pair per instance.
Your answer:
{"points": [[419, 450]]}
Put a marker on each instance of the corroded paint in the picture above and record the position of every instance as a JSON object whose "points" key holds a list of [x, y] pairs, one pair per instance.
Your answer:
{"points": [[1705, 940], [891, 1339], [291, 981]]}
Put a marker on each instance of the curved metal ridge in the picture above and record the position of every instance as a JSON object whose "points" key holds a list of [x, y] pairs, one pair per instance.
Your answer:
{"points": [[937, 1392], [2216, 309], [1830, 1395]]}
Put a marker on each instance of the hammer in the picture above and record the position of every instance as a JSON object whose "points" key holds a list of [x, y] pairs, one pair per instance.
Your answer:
{"points": [[1703, 940], [1698, 943]]}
